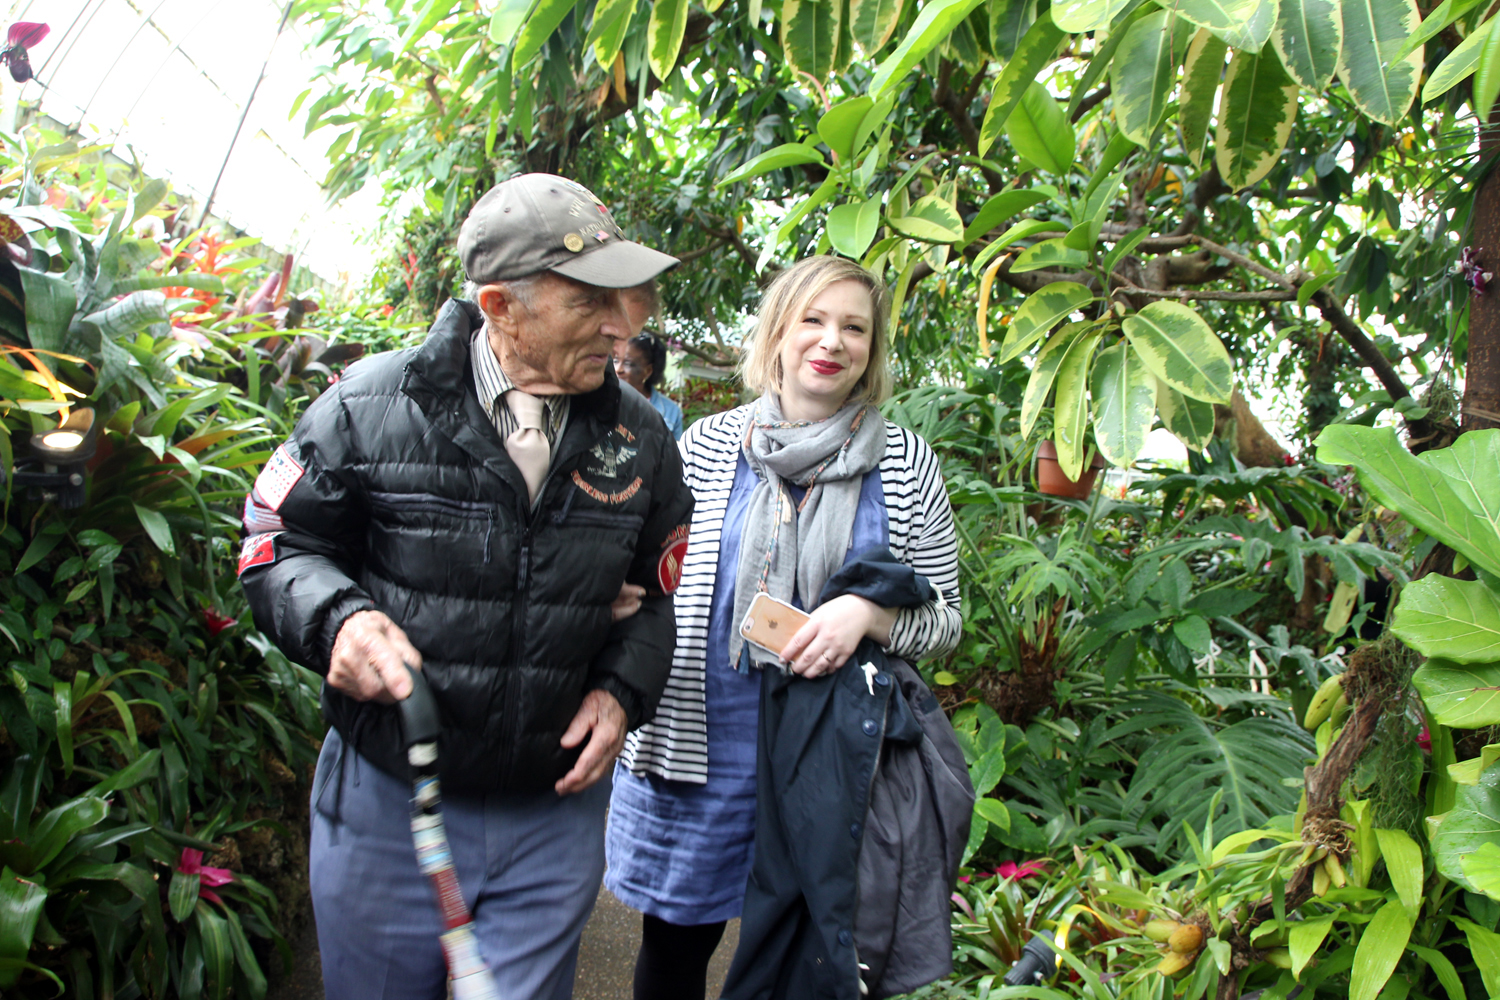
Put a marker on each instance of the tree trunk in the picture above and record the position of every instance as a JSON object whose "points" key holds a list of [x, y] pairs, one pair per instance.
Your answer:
{"points": [[1481, 406]]}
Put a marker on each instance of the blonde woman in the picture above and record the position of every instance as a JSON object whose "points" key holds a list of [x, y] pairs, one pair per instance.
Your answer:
{"points": [[786, 488]]}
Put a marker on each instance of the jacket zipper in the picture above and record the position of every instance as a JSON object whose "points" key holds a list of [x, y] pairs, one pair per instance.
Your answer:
{"points": [[885, 712]]}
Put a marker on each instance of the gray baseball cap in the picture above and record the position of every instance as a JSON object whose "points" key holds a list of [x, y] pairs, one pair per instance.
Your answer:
{"points": [[542, 222]]}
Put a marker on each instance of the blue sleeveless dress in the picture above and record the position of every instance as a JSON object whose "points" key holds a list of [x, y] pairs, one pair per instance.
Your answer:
{"points": [[679, 851]]}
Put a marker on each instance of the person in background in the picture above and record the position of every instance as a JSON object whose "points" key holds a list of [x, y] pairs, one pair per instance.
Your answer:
{"points": [[642, 361], [786, 488]]}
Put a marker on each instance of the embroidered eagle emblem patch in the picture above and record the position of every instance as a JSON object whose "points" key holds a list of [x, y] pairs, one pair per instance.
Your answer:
{"points": [[610, 458]]}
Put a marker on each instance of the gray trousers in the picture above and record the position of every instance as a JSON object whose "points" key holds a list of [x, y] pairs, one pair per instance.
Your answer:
{"points": [[529, 867]]}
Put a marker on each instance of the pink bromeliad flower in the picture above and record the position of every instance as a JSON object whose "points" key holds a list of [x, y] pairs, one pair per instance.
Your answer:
{"points": [[217, 622], [1010, 870], [209, 878]]}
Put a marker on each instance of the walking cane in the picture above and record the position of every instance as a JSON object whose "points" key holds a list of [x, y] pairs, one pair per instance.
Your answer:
{"points": [[419, 723]]}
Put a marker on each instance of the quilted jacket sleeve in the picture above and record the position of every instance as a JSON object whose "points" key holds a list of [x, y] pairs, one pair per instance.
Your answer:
{"points": [[305, 532], [636, 659]]}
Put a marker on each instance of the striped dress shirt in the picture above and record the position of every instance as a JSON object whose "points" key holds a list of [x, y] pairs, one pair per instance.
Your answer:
{"points": [[491, 383], [675, 744]]}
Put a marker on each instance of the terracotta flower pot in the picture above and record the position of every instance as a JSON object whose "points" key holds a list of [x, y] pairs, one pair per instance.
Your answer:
{"points": [[1051, 480]]}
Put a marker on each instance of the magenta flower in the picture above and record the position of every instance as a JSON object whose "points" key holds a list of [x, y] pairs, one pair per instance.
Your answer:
{"points": [[1010, 870], [208, 878], [1424, 739], [21, 36], [217, 621]]}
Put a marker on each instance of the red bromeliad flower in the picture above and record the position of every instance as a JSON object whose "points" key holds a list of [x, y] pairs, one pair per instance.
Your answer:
{"points": [[1010, 870], [22, 36], [217, 621], [208, 878], [1424, 739]]}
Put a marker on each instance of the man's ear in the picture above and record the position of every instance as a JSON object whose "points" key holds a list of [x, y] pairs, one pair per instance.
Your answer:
{"points": [[498, 305]]}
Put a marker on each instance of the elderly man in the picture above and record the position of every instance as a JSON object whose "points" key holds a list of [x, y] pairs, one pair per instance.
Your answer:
{"points": [[474, 506]]}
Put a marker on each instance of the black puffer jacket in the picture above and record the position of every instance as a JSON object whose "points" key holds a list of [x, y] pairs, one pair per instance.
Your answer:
{"points": [[395, 492]]}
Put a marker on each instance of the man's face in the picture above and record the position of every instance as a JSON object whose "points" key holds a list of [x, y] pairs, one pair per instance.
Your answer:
{"points": [[565, 338]]}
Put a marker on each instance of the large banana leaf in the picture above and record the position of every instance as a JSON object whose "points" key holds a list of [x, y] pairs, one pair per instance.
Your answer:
{"points": [[1456, 620], [1422, 490]]}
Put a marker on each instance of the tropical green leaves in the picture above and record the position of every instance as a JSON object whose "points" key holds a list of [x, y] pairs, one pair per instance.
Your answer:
{"points": [[1380, 948], [538, 27], [1191, 420], [607, 34], [1040, 131], [931, 218], [1454, 619], [1202, 70], [1466, 697], [1179, 348], [1070, 412], [668, 22], [932, 27], [1257, 106], [1124, 403], [871, 22], [852, 226], [1374, 31], [1309, 36], [1041, 311], [1142, 71], [1244, 24], [1018, 77]]}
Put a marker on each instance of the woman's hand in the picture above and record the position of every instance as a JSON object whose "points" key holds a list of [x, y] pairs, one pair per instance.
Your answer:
{"points": [[833, 631]]}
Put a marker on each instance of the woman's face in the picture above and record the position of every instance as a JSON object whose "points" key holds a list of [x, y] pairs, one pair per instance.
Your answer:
{"points": [[825, 351], [632, 365]]}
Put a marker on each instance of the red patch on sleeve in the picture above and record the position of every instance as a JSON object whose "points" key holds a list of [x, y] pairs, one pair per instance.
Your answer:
{"points": [[258, 550], [669, 567]]}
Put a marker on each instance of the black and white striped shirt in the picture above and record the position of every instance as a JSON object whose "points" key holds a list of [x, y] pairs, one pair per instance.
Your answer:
{"points": [[675, 744], [491, 383]]}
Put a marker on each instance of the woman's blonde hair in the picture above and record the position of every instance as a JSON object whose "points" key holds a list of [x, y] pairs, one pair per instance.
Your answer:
{"points": [[789, 294]]}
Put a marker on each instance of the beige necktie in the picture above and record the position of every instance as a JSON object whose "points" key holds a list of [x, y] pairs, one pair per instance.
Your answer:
{"points": [[528, 446]]}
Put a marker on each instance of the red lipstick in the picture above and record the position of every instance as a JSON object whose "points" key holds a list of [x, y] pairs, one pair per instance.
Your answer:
{"points": [[826, 367]]}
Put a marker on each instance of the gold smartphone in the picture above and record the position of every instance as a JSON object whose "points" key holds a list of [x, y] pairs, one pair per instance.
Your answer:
{"points": [[770, 623]]}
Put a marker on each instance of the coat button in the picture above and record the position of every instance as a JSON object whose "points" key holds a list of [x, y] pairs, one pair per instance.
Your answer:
{"points": [[845, 938], [869, 727], [855, 830], [883, 680]]}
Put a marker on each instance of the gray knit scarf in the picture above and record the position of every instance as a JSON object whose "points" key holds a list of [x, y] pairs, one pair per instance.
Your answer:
{"points": [[830, 458]]}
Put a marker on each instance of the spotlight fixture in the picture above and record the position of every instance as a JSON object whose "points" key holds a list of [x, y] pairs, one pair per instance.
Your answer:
{"points": [[62, 454]]}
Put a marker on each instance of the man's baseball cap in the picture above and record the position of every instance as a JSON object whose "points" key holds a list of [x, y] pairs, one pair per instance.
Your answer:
{"points": [[542, 222]]}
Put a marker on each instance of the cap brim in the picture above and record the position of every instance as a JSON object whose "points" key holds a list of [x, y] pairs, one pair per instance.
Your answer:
{"points": [[616, 264]]}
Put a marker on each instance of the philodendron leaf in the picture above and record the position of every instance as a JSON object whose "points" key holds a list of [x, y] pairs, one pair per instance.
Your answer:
{"points": [[1473, 821], [1201, 72], [1379, 949], [1472, 466], [1124, 404], [1466, 697], [931, 218], [1042, 310], [1482, 868], [1043, 371], [1422, 491], [1244, 24], [1181, 350], [1041, 132], [852, 225], [1308, 37], [1191, 420], [1452, 619], [1382, 87], [1071, 411], [1141, 73], [1257, 106]]}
